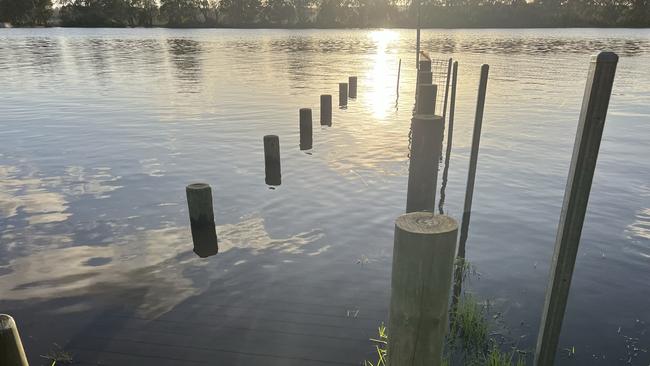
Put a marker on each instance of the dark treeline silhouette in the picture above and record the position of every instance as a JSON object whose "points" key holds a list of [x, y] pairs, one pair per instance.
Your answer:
{"points": [[327, 13]]}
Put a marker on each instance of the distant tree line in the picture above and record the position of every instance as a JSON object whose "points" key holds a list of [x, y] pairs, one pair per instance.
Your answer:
{"points": [[327, 13], [26, 12]]}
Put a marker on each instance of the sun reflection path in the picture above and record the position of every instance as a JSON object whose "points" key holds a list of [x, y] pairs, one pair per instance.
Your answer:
{"points": [[383, 76]]}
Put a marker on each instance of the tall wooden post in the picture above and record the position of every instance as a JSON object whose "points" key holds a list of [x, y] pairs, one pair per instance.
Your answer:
{"points": [[11, 347], [576, 197], [306, 133], [204, 233], [343, 94], [326, 110], [352, 85], [425, 153], [272, 167], [473, 159], [423, 261]]}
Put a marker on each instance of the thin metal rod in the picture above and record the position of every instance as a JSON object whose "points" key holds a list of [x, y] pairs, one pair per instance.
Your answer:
{"points": [[576, 196], [399, 71], [444, 106], [450, 137], [417, 51], [476, 139]]}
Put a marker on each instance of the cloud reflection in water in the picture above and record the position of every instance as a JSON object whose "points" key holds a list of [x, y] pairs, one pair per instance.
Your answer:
{"points": [[159, 262]]}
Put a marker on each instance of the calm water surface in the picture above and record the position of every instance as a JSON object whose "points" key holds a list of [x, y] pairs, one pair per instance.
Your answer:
{"points": [[100, 131]]}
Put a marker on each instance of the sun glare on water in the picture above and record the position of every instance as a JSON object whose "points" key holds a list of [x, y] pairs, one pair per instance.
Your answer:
{"points": [[383, 76]]}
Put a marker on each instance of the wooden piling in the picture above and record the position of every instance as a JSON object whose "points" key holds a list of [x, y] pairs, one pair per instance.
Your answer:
{"points": [[306, 134], [11, 347], [326, 110], [343, 94], [272, 167], [352, 85], [423, 261], [576, 196], [204, 234], [424, 65], [426, 99], [476, 139], [425, 153], [424, 77]]}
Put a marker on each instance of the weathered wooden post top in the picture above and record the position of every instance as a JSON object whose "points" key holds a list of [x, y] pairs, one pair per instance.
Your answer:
{"points": [[423, 262], [11, 347]]}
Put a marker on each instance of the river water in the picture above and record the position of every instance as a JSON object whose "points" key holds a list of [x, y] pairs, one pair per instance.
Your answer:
{"points": [[102, 129]]}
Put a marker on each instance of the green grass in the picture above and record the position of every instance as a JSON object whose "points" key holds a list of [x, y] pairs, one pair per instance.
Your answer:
{"points": [[381, 347], [468, 325], [468, 341], [58, 356], [496, 357]]}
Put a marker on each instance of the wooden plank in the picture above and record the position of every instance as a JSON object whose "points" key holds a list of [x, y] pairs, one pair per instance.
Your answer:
{"points": [[576, 196], [11, 347]]}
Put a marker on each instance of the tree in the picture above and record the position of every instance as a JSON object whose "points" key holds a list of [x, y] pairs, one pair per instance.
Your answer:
{"points": [[303, 8], [41, 12], [209, 11], [240, 12], [328, 13], [15, 11], [179, 12], [280, 12]]}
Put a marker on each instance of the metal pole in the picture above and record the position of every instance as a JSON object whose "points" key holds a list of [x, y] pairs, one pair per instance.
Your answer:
{"points": [[576, 197], [399, 71], [450, 136], [417, 52], [476, 139], [444, 106]]}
